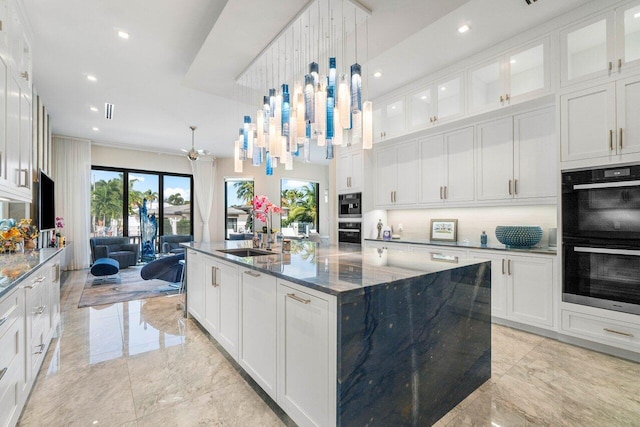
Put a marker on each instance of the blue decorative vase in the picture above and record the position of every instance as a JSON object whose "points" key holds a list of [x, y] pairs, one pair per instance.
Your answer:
{"points": [[519, 236]]}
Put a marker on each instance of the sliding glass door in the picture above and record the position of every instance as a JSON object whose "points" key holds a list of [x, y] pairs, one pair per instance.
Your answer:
{"points": [[106, 203]]}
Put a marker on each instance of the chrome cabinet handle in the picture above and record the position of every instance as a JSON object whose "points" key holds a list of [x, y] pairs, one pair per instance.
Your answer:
{"points": [[515, 186], [57, 279], [41, 349], [620, 140], [446, 192], [613, 331], [440, 193], [25, 75], [619, 63], [502, 265], [610, 139], [501, 98], [297, 298], [509, 267], [506, 97], [3, 320], [4, 371], [252, 274], [510, 192], [40, 310], [610, 66], [35, 282], [214, 279]]}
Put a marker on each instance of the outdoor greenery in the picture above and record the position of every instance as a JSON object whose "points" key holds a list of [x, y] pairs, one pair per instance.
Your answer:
{"points": [[301, 205], [244, 191]]}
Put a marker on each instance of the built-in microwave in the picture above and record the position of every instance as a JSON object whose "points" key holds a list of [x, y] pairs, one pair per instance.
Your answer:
{"points": [[350, 205], [601, 238]]}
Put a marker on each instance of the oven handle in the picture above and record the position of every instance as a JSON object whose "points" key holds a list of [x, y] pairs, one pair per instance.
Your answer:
{"points": [[607, 185], [607, 251], [349, 230]]}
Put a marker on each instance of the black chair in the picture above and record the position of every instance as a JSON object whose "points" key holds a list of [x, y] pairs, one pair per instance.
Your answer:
{"points": [[170, 244], [167, 268], [118, 248]]}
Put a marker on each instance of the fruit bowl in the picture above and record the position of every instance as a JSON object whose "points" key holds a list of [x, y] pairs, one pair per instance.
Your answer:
{"points": [[519, 236]]}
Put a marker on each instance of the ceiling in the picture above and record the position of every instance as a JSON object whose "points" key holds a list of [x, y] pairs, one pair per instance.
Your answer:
{"points": [[180, 64]]}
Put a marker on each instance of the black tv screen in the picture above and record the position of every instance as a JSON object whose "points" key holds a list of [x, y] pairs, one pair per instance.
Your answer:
{"points": [[46, 203]]}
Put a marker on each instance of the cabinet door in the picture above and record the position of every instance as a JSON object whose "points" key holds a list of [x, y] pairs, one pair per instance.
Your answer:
{"points": [[385, 173], [304, 357], [432, 161], [195, 285], [459, 166], [26, 143], [228, 330], [535, 154], [12, 361], [13, 131], [3, 117], [54, 267], [4, 33], [211, 319], [628, 36], [406, 191], [450, 96], [495, 160], [530, 290], [378, 132], [421, 108], [355, 182], [498, 282], [628, 111], [528, 71], [258, 334], [587, 49], [486, 86], [393, 118], [588, 123], [344, 171]]}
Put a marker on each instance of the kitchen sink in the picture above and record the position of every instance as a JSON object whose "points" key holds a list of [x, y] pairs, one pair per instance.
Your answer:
{"points": [[245, 252]]}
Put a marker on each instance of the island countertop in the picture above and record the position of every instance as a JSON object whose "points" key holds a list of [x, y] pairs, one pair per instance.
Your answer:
{"points": [[336, 270], [15, 267]]}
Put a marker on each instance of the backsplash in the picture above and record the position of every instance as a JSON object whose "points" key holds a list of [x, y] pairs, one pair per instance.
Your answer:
{"points": [[472, 221]]}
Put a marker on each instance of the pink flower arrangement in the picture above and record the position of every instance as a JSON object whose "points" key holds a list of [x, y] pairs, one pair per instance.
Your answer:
{"points": [[262, 206], [59, 222]]}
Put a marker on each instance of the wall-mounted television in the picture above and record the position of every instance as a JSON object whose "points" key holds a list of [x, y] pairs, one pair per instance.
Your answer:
{"points": [[46, 203]]}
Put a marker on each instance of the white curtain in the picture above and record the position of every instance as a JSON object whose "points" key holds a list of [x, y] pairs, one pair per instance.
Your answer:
{"points": [[204, 174], [71, 170]]}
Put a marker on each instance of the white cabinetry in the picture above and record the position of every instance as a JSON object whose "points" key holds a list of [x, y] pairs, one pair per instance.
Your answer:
{"points": [[13, 371], [436, 103], [616, 329], [446, 168], [258, 313], [227, 289], [522, 287], [396, 174], [306, 355], [516, 76], [593, 128], [440, 253], [389, 118], [196, 286], [517, 156], [350, 164], [604, 45]]}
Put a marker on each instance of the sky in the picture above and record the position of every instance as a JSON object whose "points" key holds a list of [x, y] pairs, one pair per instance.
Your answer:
{"points": [[172, 184]]}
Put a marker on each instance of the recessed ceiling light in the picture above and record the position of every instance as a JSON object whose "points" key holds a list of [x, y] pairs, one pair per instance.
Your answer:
{"points": [[513, 61], [123, 35], [377, 74], [443, 88], [636, 15], [464, 28], [92, 78], [423, 97], [95, 129], [94, 109]]}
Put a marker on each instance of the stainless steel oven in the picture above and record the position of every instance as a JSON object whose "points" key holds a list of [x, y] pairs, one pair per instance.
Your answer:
{"points": [[601, 237], [350, 232], [350, 205]]}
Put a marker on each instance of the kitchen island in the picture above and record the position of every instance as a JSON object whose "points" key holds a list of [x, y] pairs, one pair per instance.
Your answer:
{"points": [[348, 335]]}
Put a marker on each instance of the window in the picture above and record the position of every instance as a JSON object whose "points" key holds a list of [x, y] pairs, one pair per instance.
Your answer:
{"points": [[299, 201], [238, 195], [108, 206]]}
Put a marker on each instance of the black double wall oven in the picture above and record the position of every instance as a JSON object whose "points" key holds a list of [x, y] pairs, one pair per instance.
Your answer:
{"points": [[349, 218], [601, 238]]}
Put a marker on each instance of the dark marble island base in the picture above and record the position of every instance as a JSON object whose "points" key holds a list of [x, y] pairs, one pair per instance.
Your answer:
{"points": [[411, 350]]}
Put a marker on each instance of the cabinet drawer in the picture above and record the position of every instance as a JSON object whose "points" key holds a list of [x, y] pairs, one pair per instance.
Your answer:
{"points": [[11, 368], [11, 309], [606, 331], [37, 347]]}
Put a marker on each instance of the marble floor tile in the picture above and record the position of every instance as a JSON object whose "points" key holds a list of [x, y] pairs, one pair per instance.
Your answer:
{"points": [[508, 346]]}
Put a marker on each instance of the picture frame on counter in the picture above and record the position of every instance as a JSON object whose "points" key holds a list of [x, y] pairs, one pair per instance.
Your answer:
{"points": [[444, 230]]}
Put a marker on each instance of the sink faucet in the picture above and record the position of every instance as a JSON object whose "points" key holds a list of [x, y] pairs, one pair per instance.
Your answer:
{"points": [[268, 218]]}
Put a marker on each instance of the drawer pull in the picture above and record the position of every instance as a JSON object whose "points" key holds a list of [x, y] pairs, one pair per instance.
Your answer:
{"points": [[502, 265], [40, 309], [41, 349], [443, 258], [613, 331], [297, 298], [214, 276], [4, 371], [252, 274], [3, 320]]}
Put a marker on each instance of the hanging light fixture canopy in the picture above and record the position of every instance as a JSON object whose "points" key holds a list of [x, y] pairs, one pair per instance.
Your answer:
{"points": [[320, 62]]}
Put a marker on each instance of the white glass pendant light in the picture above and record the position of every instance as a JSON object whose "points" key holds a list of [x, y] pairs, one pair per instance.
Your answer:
{"points": [[338, 131], [367, 125], [260, 128], [344, 102]]}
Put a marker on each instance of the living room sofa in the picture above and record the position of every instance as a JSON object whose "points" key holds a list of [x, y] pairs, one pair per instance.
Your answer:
{"points": [[170, 244], [118, 248]]}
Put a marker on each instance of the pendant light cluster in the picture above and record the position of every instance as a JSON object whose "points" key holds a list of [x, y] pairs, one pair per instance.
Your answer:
{"points": [[320, 105]]}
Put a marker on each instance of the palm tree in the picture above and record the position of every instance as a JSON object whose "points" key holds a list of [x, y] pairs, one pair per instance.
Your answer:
{"points": [[244, 191], [176, 199], [301, 203]]}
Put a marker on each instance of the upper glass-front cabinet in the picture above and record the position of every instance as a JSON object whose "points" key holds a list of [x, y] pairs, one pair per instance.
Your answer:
{"points": [[450, 99], [438, 102], [605, 45], [517, 76]]}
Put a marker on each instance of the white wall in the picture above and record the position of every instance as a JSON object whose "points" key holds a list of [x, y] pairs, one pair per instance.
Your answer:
{"points": [[270, 187], [472, 221]]}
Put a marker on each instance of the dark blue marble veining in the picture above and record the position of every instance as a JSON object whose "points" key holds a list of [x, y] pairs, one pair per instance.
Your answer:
{"points": [[411, 350]]}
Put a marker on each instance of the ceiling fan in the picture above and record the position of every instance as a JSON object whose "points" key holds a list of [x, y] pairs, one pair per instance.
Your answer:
{"points": [[193, 154]]}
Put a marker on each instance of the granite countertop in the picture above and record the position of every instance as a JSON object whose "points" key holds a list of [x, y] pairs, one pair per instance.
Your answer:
{"points": [[15, 267], [545, 250], [332, 269]]}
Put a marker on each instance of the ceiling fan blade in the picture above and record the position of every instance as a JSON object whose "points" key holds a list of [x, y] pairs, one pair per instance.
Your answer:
{"points": [[184, 151]]}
